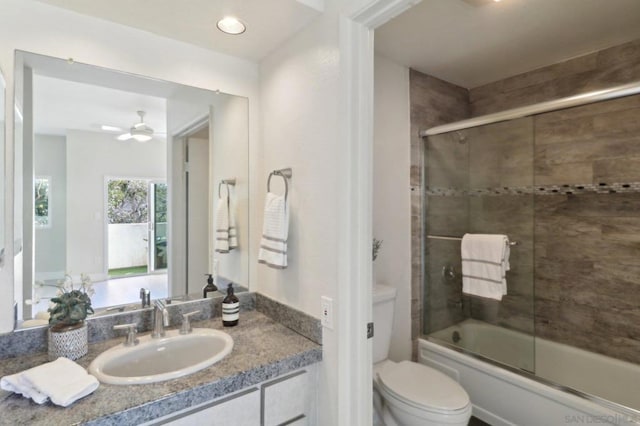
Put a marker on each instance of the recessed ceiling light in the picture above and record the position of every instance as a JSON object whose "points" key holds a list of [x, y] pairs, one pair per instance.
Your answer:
{"points": [[231, 25]]}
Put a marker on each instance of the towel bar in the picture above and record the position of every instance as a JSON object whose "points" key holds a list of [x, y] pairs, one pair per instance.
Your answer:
{"points": [[231, 181], [440, 237]]}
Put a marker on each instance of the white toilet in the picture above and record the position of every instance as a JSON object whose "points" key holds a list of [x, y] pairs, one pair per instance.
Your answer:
{"points": [[408, 393]]}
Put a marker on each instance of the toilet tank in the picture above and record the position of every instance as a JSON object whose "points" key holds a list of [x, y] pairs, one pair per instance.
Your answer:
{"points": [[384, 298]]}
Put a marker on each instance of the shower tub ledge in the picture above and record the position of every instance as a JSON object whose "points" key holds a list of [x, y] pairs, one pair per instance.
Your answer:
{"points": [[504, 397]]}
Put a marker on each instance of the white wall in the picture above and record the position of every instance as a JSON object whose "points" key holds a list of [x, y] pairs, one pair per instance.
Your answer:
{"points": [[391, 194], [91, 157], [228, 153], [299, 92], [40, 28], [128, 245], [50, 160]]}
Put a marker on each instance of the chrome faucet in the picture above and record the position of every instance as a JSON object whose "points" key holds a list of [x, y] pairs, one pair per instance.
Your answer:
{"points": [[160, 319], [145, 297]]}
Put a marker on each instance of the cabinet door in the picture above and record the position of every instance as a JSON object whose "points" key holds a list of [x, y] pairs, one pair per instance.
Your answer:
{"points": [[242, 409], [285, 400]]}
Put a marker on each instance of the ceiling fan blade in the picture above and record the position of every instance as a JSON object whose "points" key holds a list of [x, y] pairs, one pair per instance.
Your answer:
{"points": [[124, 137], [109, 128]]}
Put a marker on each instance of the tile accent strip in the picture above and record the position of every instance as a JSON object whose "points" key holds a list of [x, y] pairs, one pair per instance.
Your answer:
{"points": [[565, 189]]}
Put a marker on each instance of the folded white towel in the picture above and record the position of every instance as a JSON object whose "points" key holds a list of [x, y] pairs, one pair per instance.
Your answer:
{"points": [[16, 383], [226, 239], [485, 261], [275, 232], [63, 381]]}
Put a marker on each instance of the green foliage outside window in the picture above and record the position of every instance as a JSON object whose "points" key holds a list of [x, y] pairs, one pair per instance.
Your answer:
{"points": [[127, 201]]}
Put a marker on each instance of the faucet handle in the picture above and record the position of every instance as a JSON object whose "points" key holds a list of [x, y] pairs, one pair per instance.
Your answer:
{"points": [[145, 297], [186, 324], [132, 330]]}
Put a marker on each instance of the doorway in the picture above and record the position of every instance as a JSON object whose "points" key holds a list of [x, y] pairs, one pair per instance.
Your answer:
{"points": [[197, 190], [136, 226]]}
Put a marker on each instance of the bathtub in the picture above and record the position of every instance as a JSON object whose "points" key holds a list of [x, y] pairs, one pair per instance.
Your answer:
{"points": [[570, 385]]}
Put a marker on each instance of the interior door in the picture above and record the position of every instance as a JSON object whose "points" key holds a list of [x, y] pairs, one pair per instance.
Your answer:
{"points": [[198, 189], [158, 259]]}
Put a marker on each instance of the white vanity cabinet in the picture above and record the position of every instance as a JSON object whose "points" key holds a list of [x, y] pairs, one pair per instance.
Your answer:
{"points": [[286, 400]]}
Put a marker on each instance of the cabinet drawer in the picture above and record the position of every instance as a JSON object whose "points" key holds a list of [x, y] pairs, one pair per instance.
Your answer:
{"points": [[285, 400], [242, 409]]}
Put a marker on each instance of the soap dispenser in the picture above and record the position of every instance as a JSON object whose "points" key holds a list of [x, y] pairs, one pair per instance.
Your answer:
{"points": [[230, 308], [210, 287]]}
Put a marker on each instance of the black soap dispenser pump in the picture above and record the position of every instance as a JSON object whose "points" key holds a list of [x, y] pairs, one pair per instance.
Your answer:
{"points": [[230, 308], [210, 287]]}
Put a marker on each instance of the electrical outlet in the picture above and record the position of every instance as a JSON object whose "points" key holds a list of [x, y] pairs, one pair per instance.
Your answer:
{"points": [[327, 312]]}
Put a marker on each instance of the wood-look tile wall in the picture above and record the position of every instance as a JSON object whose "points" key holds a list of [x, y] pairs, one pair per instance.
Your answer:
{"points": [[599, 70], [587, 245], [433, 102]]}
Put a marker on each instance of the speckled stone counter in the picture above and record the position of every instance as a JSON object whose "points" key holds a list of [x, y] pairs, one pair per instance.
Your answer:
{"points": [[263, 349]]}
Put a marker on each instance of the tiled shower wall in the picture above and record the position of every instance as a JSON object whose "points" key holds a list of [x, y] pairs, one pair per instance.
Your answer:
{"points": [[586, 162], [433, 102]]}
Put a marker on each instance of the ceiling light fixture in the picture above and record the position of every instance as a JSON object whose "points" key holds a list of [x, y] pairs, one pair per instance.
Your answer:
{"points": [[231, 25]]}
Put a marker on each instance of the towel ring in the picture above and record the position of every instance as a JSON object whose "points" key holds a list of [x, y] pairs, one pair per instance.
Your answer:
{"points": [[286, 182]]}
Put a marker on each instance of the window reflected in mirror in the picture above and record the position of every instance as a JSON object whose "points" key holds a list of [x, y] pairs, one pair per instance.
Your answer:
{"points": [[42, 189]]}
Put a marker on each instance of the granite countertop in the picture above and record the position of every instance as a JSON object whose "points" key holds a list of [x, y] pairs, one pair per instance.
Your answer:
{"points": [[263, 349]]}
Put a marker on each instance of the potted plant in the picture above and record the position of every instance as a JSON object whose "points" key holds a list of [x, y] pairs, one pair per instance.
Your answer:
{"points": [[68, 335], [376, 246]]}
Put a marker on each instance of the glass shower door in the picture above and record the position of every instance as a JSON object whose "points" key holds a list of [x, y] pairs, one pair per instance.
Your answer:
{"points": [[480, 181]]}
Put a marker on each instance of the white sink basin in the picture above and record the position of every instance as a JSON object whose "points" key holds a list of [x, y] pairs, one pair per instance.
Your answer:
{"points": [[155, 360]]}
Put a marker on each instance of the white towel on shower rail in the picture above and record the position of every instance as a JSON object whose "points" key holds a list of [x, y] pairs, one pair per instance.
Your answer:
{"points": [[275, 232], [485, 261]]}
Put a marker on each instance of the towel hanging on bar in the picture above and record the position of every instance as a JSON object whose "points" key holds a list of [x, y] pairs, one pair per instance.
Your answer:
{"points": [[226, 233], [275, 228], [485, 262]]}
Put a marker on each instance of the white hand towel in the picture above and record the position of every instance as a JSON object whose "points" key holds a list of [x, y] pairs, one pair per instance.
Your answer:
{"points": [[275, 232], [16, 383], [233, 238], [226, 238], [222, 225], [63, 381], [485, 261]]}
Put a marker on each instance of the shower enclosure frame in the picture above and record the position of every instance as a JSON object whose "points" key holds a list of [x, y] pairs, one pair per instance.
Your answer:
{"points": [[615, 92]]}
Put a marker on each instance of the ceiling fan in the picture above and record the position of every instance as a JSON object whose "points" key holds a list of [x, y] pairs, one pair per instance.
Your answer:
{"points": [[139, 131]]}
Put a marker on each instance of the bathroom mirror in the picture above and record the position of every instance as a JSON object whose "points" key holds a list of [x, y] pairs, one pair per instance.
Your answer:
{"points": [[2, 162], [119, 177]]}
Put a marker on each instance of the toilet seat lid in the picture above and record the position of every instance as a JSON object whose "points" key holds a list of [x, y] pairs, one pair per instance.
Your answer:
{"points": [[420, 385]]}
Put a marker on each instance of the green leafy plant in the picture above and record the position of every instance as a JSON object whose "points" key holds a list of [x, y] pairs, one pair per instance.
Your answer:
{"points": [[71, 305], [376, 246]]}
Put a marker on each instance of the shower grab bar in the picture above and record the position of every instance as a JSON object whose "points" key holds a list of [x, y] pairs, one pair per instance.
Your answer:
{"points": [[441, 237]]}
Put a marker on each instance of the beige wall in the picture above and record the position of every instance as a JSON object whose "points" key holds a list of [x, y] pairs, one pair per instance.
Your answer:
{"points": [[392, 195]]}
